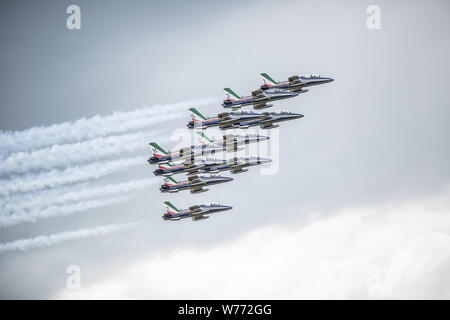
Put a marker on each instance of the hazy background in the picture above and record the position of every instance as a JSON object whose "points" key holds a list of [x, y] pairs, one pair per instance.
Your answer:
{"points": [[377, 135]]}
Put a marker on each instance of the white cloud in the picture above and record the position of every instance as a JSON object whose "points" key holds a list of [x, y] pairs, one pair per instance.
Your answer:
{"points": [[397, 250]]}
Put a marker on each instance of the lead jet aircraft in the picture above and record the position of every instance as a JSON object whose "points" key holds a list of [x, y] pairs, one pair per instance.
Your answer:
{"points": [[235, 165], [223, 120], [294, 83], [197, 212], [194, 183], [258, 99]]}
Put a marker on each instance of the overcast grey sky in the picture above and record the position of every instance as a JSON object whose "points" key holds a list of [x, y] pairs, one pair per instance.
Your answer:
{"points": [[372, 144]]}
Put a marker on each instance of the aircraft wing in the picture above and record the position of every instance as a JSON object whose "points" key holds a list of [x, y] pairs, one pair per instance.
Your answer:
{"points": [[198, 189], [260, 105], [237, 168], [196, 212], [223, 116], [202, 217], [235, 165], [194, 180], [268, 124], [259, 99], [226, 125], [195, 209], [294, 80], [188, 165]]}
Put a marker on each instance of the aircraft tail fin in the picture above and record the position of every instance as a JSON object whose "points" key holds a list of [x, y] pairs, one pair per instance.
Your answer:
{"points": [[204, 136], [171, 206], [171, 179], [156, 148], [266, 76], [229, 91], [168, 165], [197, 113]]}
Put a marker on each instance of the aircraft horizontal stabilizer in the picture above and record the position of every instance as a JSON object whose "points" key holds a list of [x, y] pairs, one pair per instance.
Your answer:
{"points": [[238, 171], [270, 126], [199, 218], [198, 190], [262, 106]]}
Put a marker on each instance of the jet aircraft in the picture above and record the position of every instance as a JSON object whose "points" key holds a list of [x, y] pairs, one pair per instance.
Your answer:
{"points": [[258, 99], [229, 143], [294, 83], [265, 121], [194, 183], [223, 120], [235, 165], [271, 118], [197, 212]]}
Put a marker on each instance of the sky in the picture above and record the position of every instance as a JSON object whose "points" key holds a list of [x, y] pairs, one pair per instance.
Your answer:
{"points": [[357, 209]]}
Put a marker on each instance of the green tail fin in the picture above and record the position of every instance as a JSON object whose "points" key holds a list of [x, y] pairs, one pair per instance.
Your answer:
{"points": [[167, 203], [228, 90], [172, 179], [204, 136], [157, 147], [265, 75], [195, 111]]}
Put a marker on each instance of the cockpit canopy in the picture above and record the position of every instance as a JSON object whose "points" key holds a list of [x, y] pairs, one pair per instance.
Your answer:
{"points": [[312, 76], [283, 112]]}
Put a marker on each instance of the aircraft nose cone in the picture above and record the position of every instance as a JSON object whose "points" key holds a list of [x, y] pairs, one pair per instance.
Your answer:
{"points": [[226, 179], [326, 80], [263, 138], [296, 116], [226, 207], [265, 160]]}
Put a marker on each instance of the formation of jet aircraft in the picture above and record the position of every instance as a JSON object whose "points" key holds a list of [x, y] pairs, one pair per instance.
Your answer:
{"points": [[193, 160]]}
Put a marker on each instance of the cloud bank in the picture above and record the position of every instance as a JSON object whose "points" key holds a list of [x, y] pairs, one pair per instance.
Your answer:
{"points": [[396, 250]]}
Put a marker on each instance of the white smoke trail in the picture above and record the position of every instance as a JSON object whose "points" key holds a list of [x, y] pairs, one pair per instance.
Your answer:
{"points": [[56, 177], [34, 204], [57, 238], [84, 129], [57, 211], [72, 154]]}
